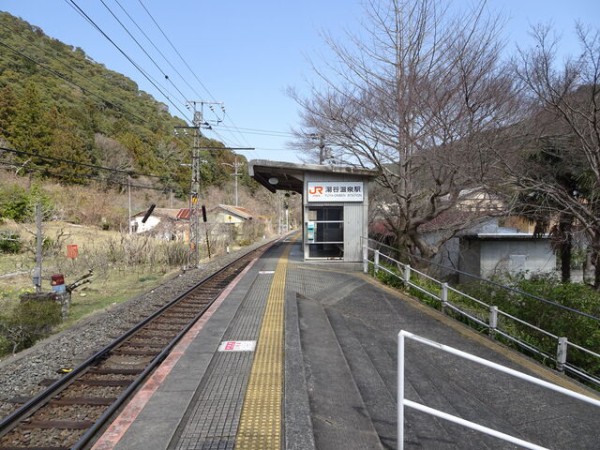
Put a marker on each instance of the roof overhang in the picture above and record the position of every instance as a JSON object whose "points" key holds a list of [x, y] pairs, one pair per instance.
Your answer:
{"points": [[286, 176]]}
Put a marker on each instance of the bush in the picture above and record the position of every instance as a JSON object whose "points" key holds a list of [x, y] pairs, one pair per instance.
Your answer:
{"points": [[578, 329], [176, 253], [10, 243], [30, 321], [18, 204]]}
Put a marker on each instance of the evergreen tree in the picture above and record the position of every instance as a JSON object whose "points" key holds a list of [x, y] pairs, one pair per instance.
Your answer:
{"points": [[68, 149], [8, 104], [29, 130]]}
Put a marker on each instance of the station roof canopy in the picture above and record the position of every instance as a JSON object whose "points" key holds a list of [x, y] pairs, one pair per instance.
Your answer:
{"points": [[286, 176]]}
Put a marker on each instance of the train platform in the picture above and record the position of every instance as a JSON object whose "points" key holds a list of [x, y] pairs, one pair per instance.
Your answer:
{"points": [[297, 355]]}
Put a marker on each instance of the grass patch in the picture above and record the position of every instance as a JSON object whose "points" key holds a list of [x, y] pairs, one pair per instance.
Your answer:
{"points": [[117, 288], [124, 266]]}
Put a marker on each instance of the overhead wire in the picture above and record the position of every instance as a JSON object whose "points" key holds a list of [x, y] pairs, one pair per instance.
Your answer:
{"points": [[156, 48], [143, 50], [70, 81], [175, 50], [240, 131], [77, 163], [188, 67], [77, 8], [272, 133], [141, 30]]}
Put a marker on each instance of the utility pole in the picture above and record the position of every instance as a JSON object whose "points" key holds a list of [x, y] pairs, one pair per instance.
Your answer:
{"points": [[129, 202], [195, 189], [37, 272], [236, 174], [321, 148], [198, 122]]}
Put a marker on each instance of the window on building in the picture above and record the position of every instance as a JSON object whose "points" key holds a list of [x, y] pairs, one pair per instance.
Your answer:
{"points": [[325, 232]]}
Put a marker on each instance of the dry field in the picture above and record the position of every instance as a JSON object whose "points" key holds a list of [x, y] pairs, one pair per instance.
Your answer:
{"points": [[123, 266]]}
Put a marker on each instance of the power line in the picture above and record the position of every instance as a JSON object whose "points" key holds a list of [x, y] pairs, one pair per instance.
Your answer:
{"points": [[143, 49], [137, 66], [68, 80], [265, 132], [84, 178], [176, 51], [77, 163], [141, 30], [187, 65]]}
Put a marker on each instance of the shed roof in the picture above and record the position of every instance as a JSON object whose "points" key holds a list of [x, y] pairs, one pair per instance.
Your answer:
{"points": [[287, 176], [239, 211]]}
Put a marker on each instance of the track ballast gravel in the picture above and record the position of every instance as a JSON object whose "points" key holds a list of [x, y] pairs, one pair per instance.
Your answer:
{"points": [[21, 375]]}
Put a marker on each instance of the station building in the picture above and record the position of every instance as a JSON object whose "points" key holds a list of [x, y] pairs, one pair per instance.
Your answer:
{"points": [[335, 205]]}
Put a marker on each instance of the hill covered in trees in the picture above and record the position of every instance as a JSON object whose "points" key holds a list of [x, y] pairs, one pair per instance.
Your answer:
{"points": [[64, 116]]}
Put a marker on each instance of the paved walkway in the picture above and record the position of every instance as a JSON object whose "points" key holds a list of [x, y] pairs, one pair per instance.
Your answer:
{"points": [[339, 375]]}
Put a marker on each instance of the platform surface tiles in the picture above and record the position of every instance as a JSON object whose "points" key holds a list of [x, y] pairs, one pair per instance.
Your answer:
{"points": [[299, 356]]}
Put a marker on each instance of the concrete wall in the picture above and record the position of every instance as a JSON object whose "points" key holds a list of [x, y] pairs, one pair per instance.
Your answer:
{"points": [[489, 257], [140, 227], [529, 257]]}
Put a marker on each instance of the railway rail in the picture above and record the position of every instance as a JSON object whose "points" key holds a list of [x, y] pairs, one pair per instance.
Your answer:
{"points": [[71, 411]]}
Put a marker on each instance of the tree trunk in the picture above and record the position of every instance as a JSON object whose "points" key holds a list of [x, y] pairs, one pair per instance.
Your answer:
{"points": [[596, 260], [565, 249]]}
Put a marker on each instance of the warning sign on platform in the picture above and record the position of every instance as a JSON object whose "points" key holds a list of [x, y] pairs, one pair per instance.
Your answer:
{"points": [[237, 346]]}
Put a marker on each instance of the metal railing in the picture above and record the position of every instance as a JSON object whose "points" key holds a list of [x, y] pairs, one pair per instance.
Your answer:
{"points": [[402, 402], [490, 317]]}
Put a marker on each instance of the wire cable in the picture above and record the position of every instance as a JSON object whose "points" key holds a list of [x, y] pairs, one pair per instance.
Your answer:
{"points": [[143, 50], [141, 30], [176, 51], [187, 65], [65, 78], [77, 163], [137, 66]]}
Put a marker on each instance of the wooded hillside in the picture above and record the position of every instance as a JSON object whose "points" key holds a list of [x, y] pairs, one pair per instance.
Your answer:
{"points": [[64, 116]]}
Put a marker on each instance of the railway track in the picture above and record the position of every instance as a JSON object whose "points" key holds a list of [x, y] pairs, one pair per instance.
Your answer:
{"points": [[71, 411]]}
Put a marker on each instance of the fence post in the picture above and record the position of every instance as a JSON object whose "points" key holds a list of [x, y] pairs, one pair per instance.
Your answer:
{"points": [[444, 296], [376, 259], [366, 257], [406, 275], [400, 407], [561, 354], [493, 321]]}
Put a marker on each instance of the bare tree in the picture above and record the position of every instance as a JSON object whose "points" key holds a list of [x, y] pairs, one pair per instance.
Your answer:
{"points": [[114, 156], [418, 96], [569, 93]]}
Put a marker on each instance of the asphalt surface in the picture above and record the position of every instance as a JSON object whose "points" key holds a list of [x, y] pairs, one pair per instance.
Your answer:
{"points": [[340, 386]]}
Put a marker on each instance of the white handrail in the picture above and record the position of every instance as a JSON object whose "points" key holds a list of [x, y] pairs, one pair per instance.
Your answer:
{"points": [[402, 335], [562, 343]]}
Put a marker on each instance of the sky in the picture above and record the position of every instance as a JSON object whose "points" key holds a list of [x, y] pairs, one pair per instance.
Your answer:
{"points": [[245, 55]]}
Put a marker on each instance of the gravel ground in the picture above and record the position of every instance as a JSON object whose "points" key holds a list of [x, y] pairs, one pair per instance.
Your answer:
{"points": [[21, 374]]}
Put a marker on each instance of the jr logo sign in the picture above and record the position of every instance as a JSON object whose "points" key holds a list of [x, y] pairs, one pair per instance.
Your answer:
{"points": [[335, 191]]}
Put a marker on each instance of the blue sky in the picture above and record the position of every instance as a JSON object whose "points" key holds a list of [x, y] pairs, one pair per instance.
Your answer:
{"points": [[246, 54]]}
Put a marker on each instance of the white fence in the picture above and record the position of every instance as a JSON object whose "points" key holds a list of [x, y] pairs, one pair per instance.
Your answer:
{"points": [[490, 320], [402, 402]]}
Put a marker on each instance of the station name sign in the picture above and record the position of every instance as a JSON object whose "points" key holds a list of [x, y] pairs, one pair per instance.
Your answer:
{"points": [[335, 191]]}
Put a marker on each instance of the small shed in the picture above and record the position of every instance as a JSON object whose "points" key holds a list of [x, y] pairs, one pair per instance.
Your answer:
{"points": [[230, 214], [488, 254]]}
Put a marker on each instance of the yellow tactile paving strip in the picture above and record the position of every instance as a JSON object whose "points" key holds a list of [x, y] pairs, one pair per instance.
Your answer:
{"points": [[261, 420]]}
